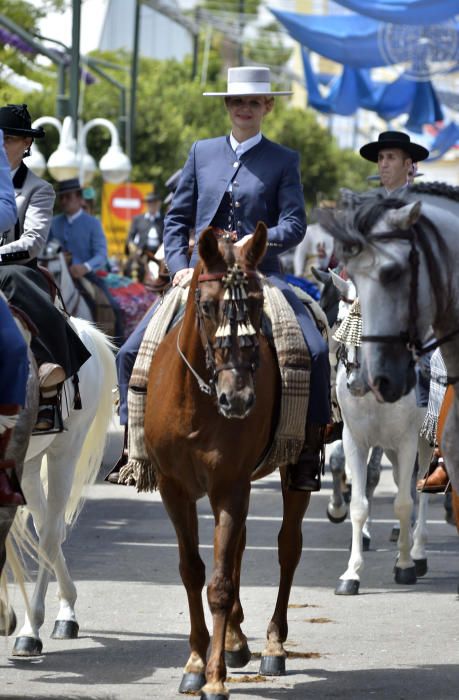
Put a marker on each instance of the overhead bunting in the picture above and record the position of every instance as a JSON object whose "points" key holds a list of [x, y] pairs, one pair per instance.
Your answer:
{"points": [[444, 140], [354, 89], [346, 39], [354, 40], [404, 11]]}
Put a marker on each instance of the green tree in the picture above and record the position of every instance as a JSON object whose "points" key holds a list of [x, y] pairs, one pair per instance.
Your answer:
{"points": [[22, 61]]}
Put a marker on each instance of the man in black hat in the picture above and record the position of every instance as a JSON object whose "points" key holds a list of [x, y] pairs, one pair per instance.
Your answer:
{"points": [[81, 235], [396, 156], [146, 232], [57, 348]]}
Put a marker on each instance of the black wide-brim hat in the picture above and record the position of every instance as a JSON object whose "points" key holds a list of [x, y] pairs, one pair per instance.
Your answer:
{"points": [[71, 185], [16, 121], [393, 139], [151, 197]]}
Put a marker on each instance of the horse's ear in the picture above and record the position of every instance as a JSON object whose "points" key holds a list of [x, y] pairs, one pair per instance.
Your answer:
{"points": [[404, 217], [320, 275], [255, 249], [341, 285], [208, 247]]}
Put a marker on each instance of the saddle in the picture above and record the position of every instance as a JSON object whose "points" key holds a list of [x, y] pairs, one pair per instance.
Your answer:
{"points": [[103, 312]]}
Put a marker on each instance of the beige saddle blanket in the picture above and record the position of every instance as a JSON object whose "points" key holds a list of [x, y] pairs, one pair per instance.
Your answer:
{"points": [[294, 366]]}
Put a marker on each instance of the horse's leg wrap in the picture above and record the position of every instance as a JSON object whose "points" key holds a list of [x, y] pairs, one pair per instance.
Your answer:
{"points": [[305, 474]]}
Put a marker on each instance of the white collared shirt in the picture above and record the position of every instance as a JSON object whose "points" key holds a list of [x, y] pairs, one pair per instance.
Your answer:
{"points": [[72, 218], [243, 147]]}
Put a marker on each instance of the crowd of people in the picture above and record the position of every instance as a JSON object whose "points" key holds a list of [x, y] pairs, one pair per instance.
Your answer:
{"points": [[229, 183]]}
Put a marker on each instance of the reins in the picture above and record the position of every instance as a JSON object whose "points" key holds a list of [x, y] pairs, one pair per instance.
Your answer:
{"points": [[410, 338]]}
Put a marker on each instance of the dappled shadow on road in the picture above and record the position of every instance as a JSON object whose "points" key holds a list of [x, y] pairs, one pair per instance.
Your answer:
{"points": [[381, 684], [113, 662]]}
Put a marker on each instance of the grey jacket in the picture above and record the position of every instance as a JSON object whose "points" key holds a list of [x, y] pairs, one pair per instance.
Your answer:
{"points": [[35, 203]]}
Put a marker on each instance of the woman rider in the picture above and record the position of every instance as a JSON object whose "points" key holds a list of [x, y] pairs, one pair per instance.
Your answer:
{"points": [[57, 348], [232, 182]]}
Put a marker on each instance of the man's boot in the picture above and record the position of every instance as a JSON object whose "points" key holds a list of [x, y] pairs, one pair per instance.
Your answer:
{"points": [[305, 475], [50, 378]]}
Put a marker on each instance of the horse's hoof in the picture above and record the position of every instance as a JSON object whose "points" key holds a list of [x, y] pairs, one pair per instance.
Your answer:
{"points": [[348, 586], [65, 629], [421, 567], [192, 682], [10, 621], [405, 576], [395, 532], [336, 519], [214, 696], [239, 658], [366, 541], [27, 646], [272, 666]]}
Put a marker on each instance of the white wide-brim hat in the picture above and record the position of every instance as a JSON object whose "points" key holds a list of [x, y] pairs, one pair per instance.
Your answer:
{"points": [[248, 80]]}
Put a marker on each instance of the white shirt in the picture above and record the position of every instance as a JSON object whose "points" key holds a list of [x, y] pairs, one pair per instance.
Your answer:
{"points": [[72, 218], [241, 148]]}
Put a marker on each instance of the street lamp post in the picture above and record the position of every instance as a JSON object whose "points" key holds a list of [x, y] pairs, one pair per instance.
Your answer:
{"points": [[71, 158]]}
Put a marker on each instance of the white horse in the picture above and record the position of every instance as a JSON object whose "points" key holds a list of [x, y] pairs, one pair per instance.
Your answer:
{"points": [[74, 301], [54, 487], [395, 429]]}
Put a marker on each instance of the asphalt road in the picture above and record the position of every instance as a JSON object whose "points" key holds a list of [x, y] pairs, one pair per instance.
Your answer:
{"points": [[388, 643]]}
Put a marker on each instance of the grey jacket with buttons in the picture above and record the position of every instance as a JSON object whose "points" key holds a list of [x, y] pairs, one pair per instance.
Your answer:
{"points": [[266, 187]]}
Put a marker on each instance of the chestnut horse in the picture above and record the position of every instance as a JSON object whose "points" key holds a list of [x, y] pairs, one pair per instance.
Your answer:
{"points": [[211, 441]]}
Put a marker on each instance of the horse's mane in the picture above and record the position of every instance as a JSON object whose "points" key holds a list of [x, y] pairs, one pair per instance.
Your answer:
{"points": [[437, 189], [353, 224]]}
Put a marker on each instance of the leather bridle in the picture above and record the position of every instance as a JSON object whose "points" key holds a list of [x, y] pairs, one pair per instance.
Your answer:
{"points": [[410, 338], [235, 324]]}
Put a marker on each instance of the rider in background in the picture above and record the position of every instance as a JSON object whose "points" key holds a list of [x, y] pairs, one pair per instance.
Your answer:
{"points": [[81, 235], [57, 348], [146, 231]]}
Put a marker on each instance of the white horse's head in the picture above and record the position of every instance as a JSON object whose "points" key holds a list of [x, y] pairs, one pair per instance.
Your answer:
{"points": [[386, 257]]}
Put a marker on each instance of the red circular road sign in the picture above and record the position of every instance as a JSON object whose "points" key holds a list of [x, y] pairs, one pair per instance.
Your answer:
{"points": [[126, 201]]}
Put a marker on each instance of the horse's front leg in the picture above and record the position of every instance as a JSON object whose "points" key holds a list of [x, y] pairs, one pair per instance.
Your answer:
{"points": [[237, 652], [356, 459], [420, 534], [403, 461], [289, 547], [28, 642], [230, 505], [337, 506], [373, 476], [183, 515]]}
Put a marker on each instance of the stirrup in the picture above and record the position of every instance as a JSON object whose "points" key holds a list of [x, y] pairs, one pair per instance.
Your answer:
{"points": [[52, 418]]}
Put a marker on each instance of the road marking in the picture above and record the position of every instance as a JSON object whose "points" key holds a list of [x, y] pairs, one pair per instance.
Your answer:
{"points": [[173, 545], [278, 519]]}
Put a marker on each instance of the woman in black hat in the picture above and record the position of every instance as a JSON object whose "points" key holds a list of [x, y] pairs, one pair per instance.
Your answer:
{"points": [[57, 348]]}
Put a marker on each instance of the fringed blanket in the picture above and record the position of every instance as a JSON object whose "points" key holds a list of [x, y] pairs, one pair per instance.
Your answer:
{"points": [[294, 366], [437, 391]]}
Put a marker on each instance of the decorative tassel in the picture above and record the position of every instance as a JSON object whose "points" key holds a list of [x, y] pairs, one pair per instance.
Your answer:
{"points": [[77, 405]]}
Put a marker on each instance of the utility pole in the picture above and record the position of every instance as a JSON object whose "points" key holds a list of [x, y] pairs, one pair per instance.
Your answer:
{"points": [[134, 73], [241, 31], [75, 65]]}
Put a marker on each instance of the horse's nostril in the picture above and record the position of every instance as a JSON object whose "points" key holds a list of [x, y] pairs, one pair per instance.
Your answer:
{"points": [[223, 399], [250, 401]]}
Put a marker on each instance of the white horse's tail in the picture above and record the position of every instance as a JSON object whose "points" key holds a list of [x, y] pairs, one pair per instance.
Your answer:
{"points": [[19, 543], [92, 451]]}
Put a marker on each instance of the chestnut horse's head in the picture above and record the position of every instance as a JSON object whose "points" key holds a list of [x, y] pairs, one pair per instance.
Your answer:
{"points": [[229, 305]]}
